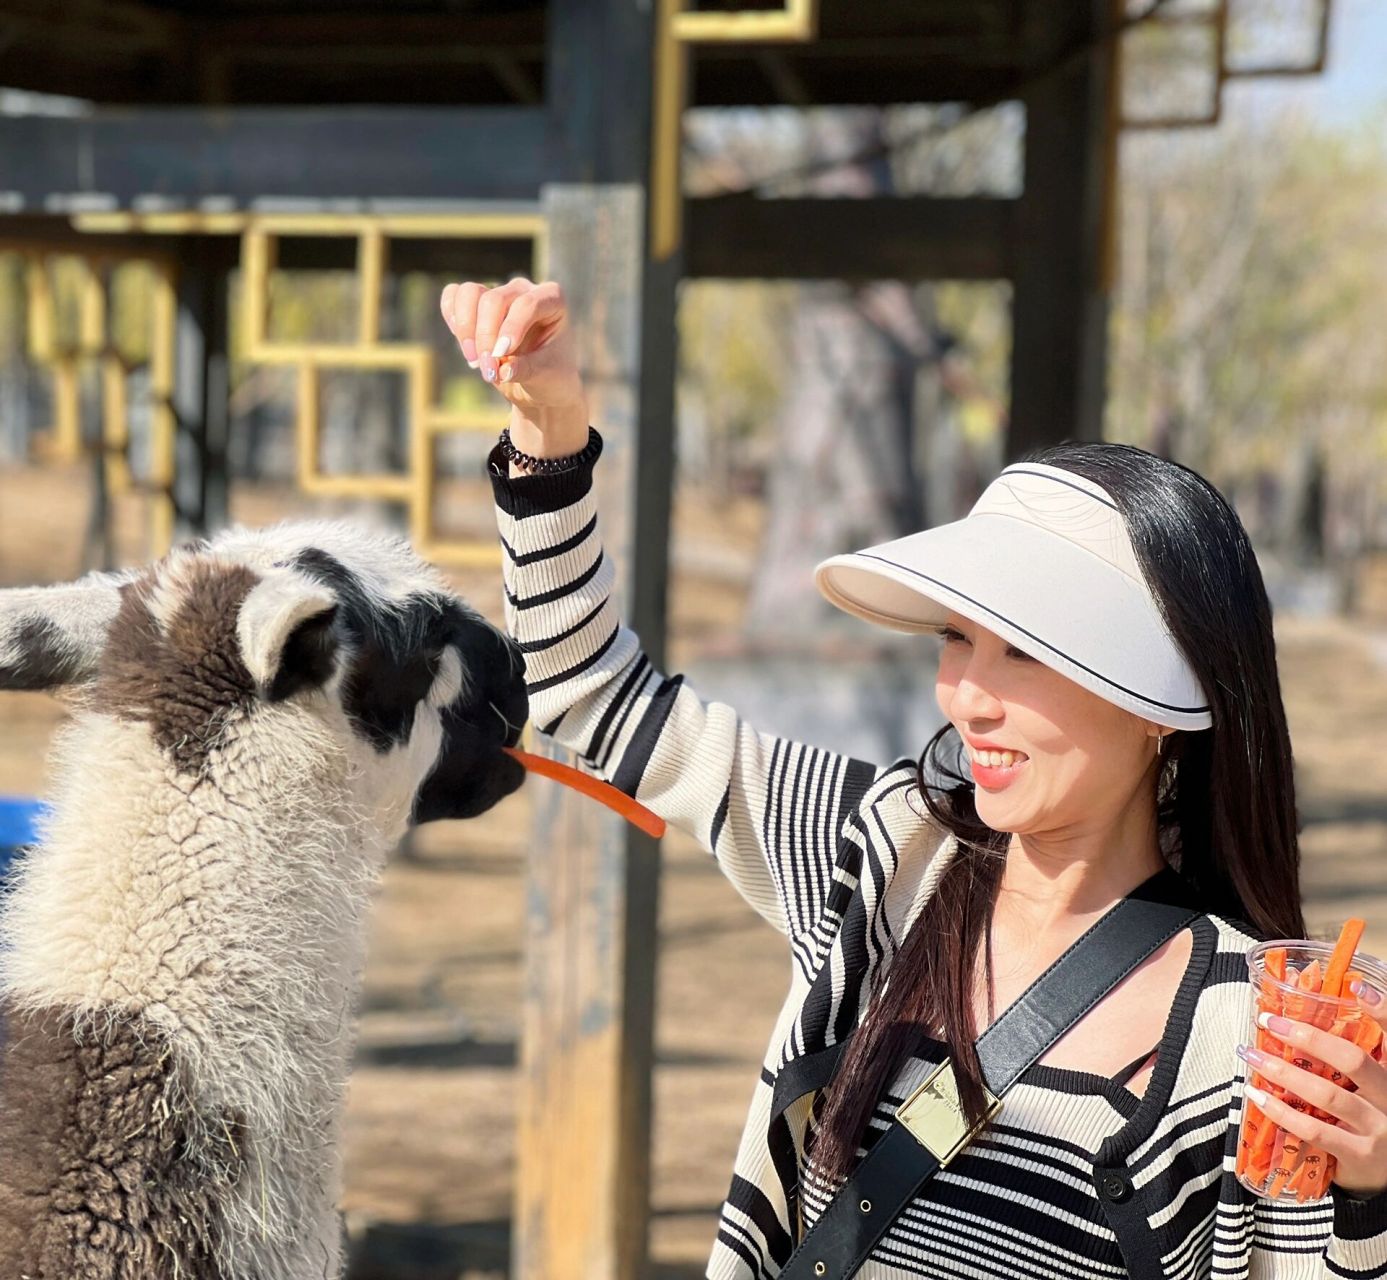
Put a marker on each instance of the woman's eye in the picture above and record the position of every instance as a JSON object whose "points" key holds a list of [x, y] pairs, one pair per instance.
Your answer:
{"points": [[951, 635]]}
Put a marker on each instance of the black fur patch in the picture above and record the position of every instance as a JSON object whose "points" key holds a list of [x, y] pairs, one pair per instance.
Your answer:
{"points": [[308, 658], [397, 654], [472, 773], [47, 658]]}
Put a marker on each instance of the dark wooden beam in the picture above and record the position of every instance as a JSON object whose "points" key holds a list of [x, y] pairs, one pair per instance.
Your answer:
{"points": [[910, 238], [202, 385], [1064, 220], [186, 155], [739, 80]]}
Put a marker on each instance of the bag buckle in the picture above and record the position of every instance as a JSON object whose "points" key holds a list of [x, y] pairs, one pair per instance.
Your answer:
{"points": [[935, 1117]]}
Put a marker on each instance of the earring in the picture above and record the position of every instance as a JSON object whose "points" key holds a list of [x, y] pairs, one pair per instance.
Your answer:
{"points": [[1160, 742]]}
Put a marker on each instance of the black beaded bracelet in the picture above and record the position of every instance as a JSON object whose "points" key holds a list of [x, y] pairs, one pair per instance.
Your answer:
{"points": [[550, 466]]}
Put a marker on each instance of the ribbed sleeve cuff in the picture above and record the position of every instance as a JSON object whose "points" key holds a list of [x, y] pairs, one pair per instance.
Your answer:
{"points": [[538, 495], [1356, 1218]]}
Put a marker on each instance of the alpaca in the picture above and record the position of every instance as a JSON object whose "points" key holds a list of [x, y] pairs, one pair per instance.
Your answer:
{"points": [[256, 721]]}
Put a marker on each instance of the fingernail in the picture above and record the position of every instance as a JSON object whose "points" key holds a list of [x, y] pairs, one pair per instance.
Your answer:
{"points": [[1248, 1054], [1368, 995], [469, 351], [1274, 1023], [507, 373], [489, 369], [1259, 1096], [501, 347]]}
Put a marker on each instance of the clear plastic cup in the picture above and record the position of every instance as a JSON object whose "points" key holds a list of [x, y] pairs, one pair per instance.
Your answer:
{"points": [[1285, 1167]]}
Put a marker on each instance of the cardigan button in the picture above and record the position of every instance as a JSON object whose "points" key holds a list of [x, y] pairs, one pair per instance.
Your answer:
{"points": [[1115, 1187]]}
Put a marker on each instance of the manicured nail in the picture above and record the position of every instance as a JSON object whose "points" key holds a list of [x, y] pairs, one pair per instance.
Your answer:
{"points": [[1259, 1096], [1368, 995], [1248, 1054], [469, 351], [489, 370], [507, 372], [501, 347], [1274, 1023]]}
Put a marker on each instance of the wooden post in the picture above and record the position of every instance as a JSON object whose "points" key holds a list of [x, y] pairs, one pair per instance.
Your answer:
{"points": [[202, 388], [582, 1199], [1060, 298], [583, 1188]]}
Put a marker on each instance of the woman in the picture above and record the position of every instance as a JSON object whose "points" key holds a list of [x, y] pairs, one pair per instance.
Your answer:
{"points": [[1108, 681]]}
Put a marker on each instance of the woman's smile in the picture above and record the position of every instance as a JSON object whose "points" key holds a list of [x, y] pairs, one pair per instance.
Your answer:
{"points": [[996, 777]]}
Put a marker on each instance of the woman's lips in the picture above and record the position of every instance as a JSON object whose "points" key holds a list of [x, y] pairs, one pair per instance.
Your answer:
{"points": [[996, 777]]}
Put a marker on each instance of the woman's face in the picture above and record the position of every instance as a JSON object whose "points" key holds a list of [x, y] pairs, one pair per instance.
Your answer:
{"points": [[1078, 758]]}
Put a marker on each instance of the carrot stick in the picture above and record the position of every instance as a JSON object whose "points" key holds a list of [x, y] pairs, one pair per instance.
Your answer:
{"points": [[1309, 981], [1349, 938], [1258, 1129], [1308, 1180], [1284, 1155], [632, 810]]}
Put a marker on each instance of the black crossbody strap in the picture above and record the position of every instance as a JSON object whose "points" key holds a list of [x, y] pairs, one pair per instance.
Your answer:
{"points": [[891, 1174]]}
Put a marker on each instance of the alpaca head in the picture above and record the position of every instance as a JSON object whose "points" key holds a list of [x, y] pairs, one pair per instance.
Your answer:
{"points": [[331, 632]]}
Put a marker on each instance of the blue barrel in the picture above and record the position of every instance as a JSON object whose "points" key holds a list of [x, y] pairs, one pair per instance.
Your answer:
{"points": [[18, 826]]}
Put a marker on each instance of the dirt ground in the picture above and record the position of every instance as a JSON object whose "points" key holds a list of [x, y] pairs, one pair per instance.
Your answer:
{"points": [[430, 1133]]}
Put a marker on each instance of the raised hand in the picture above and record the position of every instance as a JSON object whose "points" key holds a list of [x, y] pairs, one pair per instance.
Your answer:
{"points": [[518, 336]]}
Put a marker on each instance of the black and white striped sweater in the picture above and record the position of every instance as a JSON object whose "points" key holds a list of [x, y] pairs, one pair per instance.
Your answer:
{"points": [[1077, 1176]]}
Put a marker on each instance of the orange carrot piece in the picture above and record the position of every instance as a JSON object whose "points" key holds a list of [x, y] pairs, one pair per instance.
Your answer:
{"points": [[1254, 1146], [632, 810], [1349, 938], [1284, 1157], [1308, 1180]]}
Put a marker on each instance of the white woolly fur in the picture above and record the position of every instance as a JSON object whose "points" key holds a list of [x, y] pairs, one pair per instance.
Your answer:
{"points": [[228, 910]]}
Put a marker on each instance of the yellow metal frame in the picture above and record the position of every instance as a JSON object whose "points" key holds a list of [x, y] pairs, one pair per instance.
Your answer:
{"points": [[796, 20], [64, 444], [417, 485], [677, 27], [260, 234]]}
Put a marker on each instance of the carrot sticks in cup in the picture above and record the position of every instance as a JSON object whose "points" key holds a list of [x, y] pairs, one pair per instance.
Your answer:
{"points": [[1305, 981], [618, 801]]}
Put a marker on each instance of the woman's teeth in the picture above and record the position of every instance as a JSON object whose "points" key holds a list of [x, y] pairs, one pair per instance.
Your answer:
{"points": [[997, 759]]}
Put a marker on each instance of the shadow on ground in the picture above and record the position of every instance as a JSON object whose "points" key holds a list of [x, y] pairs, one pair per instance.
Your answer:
{"points": [[461, 1251]]}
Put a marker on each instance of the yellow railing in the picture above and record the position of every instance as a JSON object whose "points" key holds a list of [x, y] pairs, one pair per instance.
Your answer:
{"points": [[417, 485], [94, 345]]}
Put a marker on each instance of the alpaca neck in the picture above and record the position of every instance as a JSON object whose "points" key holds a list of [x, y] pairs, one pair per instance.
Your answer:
{"points": [[228, 911]]}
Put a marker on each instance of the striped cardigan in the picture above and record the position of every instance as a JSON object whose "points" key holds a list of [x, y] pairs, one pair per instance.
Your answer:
{"points": [[839, 855]]}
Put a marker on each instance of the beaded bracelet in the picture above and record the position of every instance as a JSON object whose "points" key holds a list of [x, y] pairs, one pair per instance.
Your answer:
{"points": [[550, 466]]}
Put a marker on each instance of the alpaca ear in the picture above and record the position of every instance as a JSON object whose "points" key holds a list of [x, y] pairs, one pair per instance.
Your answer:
{"points": [[287, 633], [51, 637]]}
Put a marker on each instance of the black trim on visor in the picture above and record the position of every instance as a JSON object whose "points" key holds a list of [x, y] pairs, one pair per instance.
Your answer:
{"points": [[1041, 475], [1165, 706]]}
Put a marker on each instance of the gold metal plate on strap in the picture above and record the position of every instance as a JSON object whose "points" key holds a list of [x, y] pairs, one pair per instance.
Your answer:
{"points": [[934, 1115]]}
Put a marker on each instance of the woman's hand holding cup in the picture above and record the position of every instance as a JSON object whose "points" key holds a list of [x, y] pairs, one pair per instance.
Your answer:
{"points": [[518, 336]]}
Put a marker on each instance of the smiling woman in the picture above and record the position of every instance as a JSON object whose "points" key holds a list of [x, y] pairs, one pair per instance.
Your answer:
{"points": [[1114, 727]]}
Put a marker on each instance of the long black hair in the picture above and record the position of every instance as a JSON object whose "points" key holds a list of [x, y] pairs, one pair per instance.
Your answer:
{"points": [[1225, 797]]}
